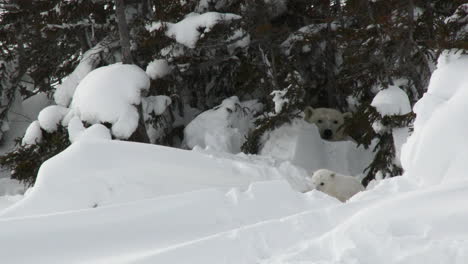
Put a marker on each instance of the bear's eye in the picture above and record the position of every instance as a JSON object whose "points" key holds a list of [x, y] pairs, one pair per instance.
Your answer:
{"points": [[319, 121], [335, 122], [322, 184]]}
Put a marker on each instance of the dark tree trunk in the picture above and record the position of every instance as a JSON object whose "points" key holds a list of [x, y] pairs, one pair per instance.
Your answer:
{"points": [[140, 135], [123, 32]]}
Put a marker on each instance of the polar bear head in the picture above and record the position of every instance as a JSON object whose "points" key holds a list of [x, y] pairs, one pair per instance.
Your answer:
{"points": [[337, 185], [324, 180], [329, 122]]}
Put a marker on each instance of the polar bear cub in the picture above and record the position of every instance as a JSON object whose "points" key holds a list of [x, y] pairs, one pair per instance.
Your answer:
{"points": [[329, 122], [337, 185]]}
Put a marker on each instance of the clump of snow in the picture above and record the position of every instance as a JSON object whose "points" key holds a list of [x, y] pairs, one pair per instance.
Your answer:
{"points": [[392, 101], [224, 127], [76, 131], [33, 134], [300, 143], [75, 128], [158, 69], [240, 39], [109, 94], [90, 59], [51, 116], [388, 102], [156, 104], [279, 100], [187, 31], [436, 151], [301, 33]]}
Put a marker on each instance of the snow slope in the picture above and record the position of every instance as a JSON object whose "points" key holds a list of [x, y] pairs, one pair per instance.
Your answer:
{"points": [[94, 173]]}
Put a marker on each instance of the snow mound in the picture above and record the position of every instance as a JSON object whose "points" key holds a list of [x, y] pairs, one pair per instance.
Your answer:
{"points": [[300, 143], [189, 30], [158, 69], [90, 59], [51, 116], [109, 94], [392, 101], [436, 151], [97, 173], [76, 131], [224, 127], [33, 134]]}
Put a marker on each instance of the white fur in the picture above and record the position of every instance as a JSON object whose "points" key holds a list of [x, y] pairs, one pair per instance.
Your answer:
{"points": [[337, 185], [327, 119]]}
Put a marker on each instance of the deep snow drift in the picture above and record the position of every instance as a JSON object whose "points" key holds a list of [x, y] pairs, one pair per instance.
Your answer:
{"points": [[114, 202]]}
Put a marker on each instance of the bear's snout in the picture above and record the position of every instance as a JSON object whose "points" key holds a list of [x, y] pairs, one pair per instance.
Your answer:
{"points": [[327, 134]]}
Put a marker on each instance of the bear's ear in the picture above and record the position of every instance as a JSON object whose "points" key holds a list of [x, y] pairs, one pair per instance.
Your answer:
{"points": [[309, 111], [347, 115]]}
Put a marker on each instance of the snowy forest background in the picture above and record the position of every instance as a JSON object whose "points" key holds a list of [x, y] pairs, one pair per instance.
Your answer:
{"points": [[322, 53], [216, 92]]}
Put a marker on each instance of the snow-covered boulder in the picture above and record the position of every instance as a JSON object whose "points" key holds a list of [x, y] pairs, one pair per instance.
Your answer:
{"points": [[110, 94]]}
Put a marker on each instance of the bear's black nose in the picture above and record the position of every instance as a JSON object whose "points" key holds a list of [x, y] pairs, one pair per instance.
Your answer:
{"points": [[327, 134]]}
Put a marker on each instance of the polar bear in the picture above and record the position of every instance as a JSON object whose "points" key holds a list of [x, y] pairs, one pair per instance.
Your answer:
{"points": [[337, 185], [329, 122]]}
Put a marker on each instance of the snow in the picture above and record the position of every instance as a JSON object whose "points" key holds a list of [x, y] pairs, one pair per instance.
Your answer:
{"points": [[103, 201], [392, 101], [96, 173], [51, 116], [187, 31], [90, 59], [109, 94], [33, 134], [300, 143], [158, 69], [439, 137], [156, 104], [224, 127], [239, 39], [301, 33], [388, 102], [279, 100]]}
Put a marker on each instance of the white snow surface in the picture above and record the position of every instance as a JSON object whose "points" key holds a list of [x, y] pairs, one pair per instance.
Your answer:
{"points": [[33, 134], [300, 143], [224, 127], [90, 59], [187, 32], [120, 202], [441, 125], [158, 69], [109, 94], [51, 116], [95, 173], [392, 101]]}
